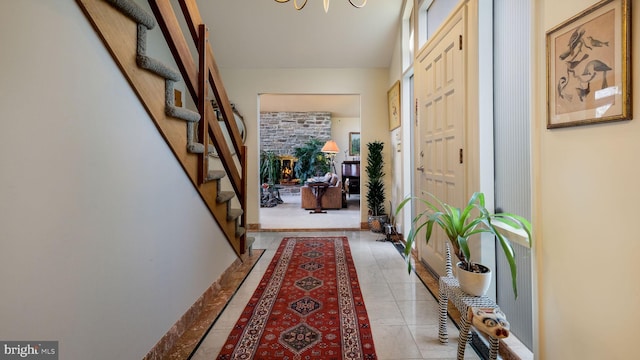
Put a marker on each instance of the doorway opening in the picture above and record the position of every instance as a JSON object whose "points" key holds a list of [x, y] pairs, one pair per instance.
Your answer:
{"points": [[290, 121]]}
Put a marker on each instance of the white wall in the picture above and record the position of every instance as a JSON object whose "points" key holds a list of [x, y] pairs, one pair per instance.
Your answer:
{"points": [[104, 243], [340, 129], [586, 207], [245, 85]]}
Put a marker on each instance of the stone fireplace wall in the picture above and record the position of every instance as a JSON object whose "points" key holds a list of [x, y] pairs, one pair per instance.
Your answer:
{"points": [[281, 132]]}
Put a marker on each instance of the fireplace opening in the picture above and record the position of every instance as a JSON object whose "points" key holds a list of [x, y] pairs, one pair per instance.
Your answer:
{"points": [[288, 174]]}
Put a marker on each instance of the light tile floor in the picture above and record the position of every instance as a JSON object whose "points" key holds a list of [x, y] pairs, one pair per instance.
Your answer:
{"points": [[289, 215], [403, 313]]}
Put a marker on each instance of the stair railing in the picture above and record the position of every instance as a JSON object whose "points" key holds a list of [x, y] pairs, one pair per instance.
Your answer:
{"points": [[198, 78]]}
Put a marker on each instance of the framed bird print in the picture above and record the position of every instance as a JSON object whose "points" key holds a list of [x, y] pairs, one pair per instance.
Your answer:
{"points": [[588, 60]]}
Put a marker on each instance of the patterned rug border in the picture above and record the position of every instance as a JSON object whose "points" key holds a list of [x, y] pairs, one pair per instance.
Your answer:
{"points": [[308, 304]]}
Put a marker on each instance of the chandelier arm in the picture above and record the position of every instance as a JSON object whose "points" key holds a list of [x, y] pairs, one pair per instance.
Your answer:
{"points": [[364, 2], [326, 4], [295, 4]]}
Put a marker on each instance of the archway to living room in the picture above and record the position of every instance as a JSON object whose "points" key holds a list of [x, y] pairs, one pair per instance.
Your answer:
{"points": [[289, 121]]}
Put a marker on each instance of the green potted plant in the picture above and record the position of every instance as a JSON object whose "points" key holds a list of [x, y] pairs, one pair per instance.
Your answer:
{"points": [[375, 186], [269, 167], [311, 160], [460, 224]]}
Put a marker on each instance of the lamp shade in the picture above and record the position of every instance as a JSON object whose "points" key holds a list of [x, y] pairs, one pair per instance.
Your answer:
{"points": [[330, 147]]}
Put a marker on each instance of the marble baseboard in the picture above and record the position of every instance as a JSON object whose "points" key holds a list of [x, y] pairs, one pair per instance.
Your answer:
{"points": [[184, 336]]}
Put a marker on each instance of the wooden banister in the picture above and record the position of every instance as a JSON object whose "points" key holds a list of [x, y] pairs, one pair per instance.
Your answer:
{"points": [[203, 90], [243, 198], [197, 79], [194, 19], [121, 24], [178, 45], [221, 97]]}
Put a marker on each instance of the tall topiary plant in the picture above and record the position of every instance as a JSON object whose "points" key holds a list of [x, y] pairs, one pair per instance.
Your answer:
{"points": [[375, 186]]}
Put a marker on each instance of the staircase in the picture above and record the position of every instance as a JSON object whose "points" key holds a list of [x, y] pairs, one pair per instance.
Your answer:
{"points": [[191, 135]]}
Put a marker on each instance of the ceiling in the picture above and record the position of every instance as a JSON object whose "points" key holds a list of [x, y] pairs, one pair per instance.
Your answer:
{"points": [[267, 34], [344, 106]]}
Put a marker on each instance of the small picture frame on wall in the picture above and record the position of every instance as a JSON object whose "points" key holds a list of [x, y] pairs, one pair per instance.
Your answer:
{"points": [[393, 99], [354, 144], [177, 97], [588, 66]]}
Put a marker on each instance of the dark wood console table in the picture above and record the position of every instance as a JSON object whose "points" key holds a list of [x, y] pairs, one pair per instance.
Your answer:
{"points": [[319, 188], [351, 171]]}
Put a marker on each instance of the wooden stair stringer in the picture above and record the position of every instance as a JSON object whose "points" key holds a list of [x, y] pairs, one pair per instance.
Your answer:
{"points": [[119, 35]]}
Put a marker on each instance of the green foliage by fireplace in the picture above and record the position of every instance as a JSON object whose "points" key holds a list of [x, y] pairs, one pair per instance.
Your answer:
{"points": [[269, 167], [311, 161]]}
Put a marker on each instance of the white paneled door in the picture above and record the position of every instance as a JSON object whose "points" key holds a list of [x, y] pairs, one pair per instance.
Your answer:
{"points": [[440, 85]]}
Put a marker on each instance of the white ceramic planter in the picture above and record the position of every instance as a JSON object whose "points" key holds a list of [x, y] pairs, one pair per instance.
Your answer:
{"points": [[475, 284]]}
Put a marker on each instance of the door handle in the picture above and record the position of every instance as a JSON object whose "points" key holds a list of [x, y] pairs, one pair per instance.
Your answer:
{"points": [[421, 168]]}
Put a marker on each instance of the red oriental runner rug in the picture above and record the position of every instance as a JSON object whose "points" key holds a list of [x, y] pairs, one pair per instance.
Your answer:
{"points": [[308, 305]]}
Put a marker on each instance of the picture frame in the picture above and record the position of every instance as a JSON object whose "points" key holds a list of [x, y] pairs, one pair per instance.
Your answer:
{"points": [[393, 99], [588, 66], [177, 97], [354, 144]]}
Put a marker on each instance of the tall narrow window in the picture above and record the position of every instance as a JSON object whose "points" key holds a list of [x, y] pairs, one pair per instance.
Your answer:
{"points": [[431, 15], [512, 132], [407, 36]]}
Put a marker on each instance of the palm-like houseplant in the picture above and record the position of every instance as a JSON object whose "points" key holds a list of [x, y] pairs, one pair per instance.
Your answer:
{"points": [[459, 224], [269, 167]]}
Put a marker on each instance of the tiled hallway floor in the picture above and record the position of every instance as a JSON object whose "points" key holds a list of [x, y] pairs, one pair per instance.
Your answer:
{"points": [[289, 215], [403, 313]]}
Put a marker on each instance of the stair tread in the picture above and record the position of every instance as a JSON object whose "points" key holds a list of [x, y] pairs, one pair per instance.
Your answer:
{"points": [[240, 231], [158, 67], [198, 148], [195, 148], [233, 214], [184, 114], [216, 174], [249, 240], [224, 196]]}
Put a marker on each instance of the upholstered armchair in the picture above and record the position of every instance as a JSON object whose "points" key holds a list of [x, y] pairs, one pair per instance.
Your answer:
{"points": [[332, 198]]}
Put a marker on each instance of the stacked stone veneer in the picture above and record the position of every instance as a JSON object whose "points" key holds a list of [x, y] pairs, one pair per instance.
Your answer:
{"points": [[282, 132]]}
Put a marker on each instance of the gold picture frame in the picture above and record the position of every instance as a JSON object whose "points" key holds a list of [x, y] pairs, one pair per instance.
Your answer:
{"points": [[393, 99], [588, 60]]}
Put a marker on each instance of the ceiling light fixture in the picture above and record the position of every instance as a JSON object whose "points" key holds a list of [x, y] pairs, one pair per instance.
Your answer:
{"points": [[326, 4]]}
